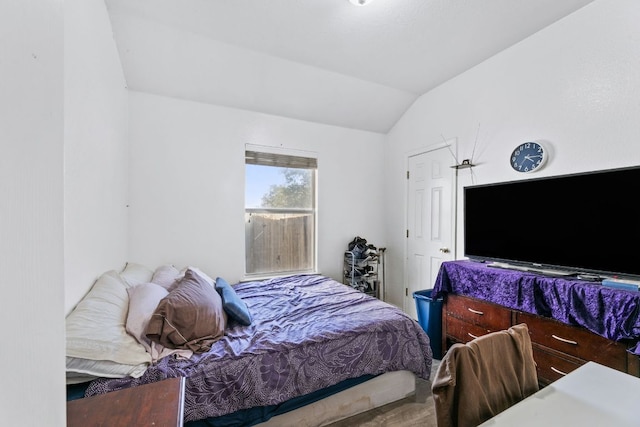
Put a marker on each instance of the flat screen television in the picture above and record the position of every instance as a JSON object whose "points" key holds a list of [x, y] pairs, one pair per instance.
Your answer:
{"points": [[585, 223]]}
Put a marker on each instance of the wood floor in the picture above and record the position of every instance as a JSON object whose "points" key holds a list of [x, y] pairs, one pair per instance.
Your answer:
{"points": [[417, 410]]}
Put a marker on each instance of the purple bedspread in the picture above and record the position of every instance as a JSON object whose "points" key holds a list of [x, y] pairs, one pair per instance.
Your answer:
{"points": [[308, 332], [611, 313]]}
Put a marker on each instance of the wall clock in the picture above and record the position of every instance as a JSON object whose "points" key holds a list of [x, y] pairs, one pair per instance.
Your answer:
{"points": [[528, 157]]}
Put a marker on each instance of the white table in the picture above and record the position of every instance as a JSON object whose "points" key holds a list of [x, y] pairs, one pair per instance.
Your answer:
{"points": [[592, 395]]}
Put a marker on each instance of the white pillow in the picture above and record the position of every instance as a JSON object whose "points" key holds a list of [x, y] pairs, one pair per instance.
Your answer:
{"points": [[143, 300], [82, 370], [95, 328], [134, 274], [166, 276]]}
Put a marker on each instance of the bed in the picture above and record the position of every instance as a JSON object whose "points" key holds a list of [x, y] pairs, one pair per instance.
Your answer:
{"points": [[311, 342]]}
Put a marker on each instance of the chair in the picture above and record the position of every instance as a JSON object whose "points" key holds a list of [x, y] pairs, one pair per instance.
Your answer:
{"points": [[478, 380]]}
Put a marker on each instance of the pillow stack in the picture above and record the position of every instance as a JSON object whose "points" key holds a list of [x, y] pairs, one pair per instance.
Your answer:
{"points": [[135, 317], [97, 342], [143, 300]]}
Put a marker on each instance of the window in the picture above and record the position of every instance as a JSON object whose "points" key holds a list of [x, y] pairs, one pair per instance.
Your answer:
{"points": [[280, 213]]}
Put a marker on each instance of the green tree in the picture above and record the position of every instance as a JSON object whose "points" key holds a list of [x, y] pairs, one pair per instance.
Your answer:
{"points": [[294, 193]]}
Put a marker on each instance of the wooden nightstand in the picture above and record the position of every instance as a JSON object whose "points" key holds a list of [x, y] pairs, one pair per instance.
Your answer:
{"points": [[156, 404]]}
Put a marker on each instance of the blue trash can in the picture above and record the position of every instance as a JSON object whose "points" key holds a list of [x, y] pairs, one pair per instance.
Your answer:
{"points": [[430, 318]]}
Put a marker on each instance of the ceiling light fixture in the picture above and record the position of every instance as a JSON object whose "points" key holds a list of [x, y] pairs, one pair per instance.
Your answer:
{"points": [[360, 2]]}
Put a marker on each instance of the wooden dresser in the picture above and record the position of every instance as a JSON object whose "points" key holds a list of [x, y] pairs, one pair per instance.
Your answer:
{"points": [[157, 404], [558, 348]]}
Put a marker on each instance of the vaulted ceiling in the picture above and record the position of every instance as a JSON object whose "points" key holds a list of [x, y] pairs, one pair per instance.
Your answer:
{"points": [[326, 61]]}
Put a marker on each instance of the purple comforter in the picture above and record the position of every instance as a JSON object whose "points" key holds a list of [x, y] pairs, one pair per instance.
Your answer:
{"points": [[308, 332]]}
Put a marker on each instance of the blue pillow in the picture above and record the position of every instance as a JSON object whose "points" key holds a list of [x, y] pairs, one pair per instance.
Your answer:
{"points": [[232, 303]]}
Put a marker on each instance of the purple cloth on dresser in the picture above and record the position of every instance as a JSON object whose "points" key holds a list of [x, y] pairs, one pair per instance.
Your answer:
{"points": [[308, 332], [611, 313]]}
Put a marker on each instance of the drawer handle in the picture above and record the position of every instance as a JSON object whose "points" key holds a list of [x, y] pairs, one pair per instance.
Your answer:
{"points": [[564, 340], [472, 336], [558, 371], [475, 311]]}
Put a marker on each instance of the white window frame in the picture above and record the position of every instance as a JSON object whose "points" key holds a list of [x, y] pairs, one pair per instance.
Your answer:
{"points": [[314, 209]]}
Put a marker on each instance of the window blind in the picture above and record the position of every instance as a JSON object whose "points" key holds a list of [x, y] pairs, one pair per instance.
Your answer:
{"points": [[280, 160]]}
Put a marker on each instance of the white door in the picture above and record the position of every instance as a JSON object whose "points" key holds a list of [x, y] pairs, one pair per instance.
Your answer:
{"points": [[431, 183]]}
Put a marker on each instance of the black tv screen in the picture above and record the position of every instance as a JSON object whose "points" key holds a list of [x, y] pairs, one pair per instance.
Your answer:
{"points": [[583, 223]]}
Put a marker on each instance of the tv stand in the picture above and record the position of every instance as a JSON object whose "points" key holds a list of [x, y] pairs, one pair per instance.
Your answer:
{"points": [[479, 299]]}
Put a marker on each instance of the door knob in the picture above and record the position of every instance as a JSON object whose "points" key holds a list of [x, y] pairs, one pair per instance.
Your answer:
{"points": [[444, 250]]}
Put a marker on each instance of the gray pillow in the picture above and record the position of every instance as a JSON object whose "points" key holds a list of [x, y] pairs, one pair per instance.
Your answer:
{"points": [[189, 317]]}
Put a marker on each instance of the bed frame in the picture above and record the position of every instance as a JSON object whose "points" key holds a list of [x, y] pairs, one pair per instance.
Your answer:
{"points": [[371, 394]]}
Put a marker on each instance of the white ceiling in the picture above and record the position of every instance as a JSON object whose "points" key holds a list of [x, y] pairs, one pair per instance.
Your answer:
{"points": [[325, 61]]}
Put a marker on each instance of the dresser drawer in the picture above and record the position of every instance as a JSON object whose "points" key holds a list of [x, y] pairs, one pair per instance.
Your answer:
{"points": [[461, 331], [551, 366], [480, 313], [574, 341]]}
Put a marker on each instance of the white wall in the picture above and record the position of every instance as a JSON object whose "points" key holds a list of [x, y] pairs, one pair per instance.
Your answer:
{"points": [[187, 183], [96, 149], [574, 86], [31, 214]]}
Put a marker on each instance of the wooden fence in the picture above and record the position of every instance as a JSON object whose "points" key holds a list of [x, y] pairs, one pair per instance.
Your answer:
{"points": [[279, 242]]}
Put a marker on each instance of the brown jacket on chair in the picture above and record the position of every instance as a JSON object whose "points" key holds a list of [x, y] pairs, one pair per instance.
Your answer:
{"points": [[478, 380]]}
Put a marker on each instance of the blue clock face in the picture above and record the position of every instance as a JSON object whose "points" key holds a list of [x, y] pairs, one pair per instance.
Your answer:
{"points": [[528, 156]]}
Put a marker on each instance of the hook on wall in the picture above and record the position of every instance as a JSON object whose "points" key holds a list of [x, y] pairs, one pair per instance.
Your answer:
{"points": [[466, 163]]}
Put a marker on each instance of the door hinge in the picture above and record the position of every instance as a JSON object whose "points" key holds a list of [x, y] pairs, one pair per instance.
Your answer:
{"points": [[407, 174], [406, 292], [407, 233]]}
